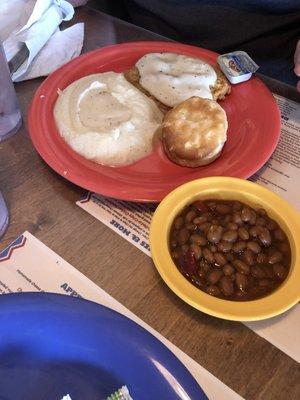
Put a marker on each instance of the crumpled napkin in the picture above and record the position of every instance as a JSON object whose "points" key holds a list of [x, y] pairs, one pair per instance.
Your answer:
{"points": [[35, 24]]}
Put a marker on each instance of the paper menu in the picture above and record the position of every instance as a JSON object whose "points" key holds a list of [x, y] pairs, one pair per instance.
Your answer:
{"points": [[280, 174], [21, 270], [130, 220]]}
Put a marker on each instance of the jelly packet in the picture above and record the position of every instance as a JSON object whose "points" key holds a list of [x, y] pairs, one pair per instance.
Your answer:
{"points": [[238, 66], [121, 394]]}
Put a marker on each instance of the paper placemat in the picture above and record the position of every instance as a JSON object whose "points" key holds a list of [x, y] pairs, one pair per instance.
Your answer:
{"points": [[280, 173], [22, 271]]}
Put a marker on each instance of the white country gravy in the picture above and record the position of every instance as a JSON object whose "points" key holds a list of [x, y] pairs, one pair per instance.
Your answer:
{"points": [[173, 78]]}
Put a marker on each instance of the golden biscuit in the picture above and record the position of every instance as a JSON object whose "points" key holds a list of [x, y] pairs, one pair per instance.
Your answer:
{"points": [[194, 132]]}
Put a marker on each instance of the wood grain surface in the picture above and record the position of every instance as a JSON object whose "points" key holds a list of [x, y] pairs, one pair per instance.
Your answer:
{"points": [[43, 203]]}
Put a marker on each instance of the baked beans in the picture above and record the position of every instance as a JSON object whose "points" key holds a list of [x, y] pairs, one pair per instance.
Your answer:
{"points": [[230, 250]]}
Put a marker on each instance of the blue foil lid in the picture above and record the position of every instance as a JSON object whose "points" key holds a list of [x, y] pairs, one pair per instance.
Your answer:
{"points": [[237, 63]]}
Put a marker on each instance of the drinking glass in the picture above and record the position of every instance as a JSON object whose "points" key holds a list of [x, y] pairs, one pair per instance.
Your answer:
{"points": [[10, 115], [10, 121], [3, 216]]}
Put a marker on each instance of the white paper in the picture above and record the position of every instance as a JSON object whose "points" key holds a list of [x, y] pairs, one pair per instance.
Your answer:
{"points": [[13, 15], [130, 220], [42, 23], [67, 397], [281, 175], [21, 270], [67, 45], [40, 30]]}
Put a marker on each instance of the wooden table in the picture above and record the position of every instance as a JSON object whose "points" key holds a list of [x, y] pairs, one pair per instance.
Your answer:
{"points": [[43, 203]]}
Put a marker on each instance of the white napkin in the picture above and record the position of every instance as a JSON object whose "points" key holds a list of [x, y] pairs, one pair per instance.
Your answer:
{"points": [[35, 23], [61, 47]]}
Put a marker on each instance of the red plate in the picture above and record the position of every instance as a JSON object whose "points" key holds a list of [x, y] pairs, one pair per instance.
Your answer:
{"points": [[253, 116]]}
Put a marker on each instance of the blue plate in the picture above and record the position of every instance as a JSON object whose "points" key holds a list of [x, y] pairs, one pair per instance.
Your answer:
{"points": [[51, 345]]}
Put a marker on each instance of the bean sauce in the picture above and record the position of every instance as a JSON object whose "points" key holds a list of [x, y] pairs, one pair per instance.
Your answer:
{"points": [[230, 250]]}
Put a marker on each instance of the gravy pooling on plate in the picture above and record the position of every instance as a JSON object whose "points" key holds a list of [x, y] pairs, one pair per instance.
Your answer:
{"points": [[230, 250]]}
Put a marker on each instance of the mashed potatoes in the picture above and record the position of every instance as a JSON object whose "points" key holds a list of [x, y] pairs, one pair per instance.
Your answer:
{"points": [[106, 119]]}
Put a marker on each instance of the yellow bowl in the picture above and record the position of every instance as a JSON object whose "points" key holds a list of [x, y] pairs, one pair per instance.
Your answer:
{"points": [[283, 298]]}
